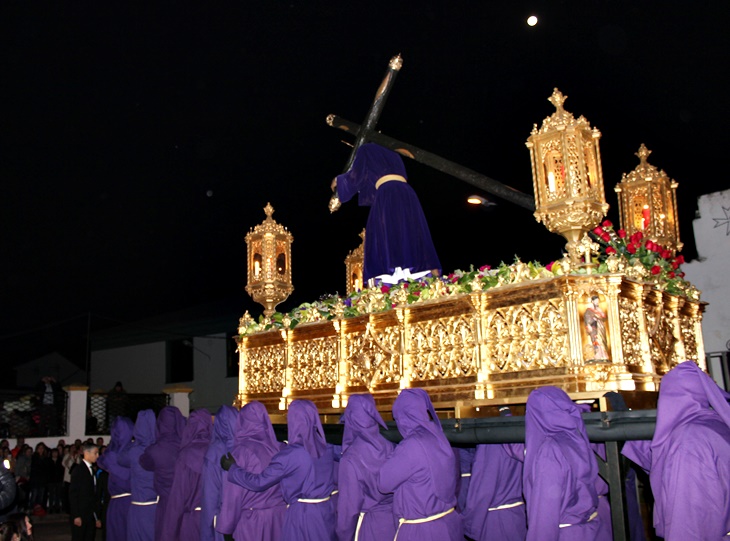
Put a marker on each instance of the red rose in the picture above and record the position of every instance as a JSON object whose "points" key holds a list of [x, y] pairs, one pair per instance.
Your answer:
{"points": [[666, 254], [631, 248], [598, 231], [681, 275], [637, 237], [607, 223], [384, 289], [454, 279], [671, 274], [610, 250], [656, 269], [606, 237], [680, 259], [416, 293], [622, 233], [675, 265], [549, 266], [484, 268]]}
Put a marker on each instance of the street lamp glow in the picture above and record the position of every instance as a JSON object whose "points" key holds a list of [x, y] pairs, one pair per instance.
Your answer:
{"points": [[475, 200], [532, 20]]}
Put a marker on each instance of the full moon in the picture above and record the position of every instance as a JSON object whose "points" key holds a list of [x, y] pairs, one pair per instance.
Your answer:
{"points": [[532, 20]]}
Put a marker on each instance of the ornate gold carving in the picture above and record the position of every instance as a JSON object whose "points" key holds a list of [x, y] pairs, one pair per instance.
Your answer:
{"points": [[396, 63], [628, 309], [313, 363], [373, 357], [443, 348], [263, 370]]}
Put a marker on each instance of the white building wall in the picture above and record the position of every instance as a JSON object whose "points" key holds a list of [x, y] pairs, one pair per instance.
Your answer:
{"points": [[211, 387], [140, 368]]}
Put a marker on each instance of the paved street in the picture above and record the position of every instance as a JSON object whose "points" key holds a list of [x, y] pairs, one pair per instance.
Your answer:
{"points": [[53, 528]]}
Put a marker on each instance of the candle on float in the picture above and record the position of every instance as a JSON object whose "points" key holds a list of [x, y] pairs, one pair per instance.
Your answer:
{"points": [[645, 219], [256, 268], [551, 182]]}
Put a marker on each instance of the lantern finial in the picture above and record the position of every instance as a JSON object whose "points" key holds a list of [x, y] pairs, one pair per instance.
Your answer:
{"points": [[643, 154], [269, 210], [558, 99]]}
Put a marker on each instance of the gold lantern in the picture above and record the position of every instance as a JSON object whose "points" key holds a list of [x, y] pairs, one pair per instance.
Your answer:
{"points": [[354, 266], [647, 202], [567, 177], [269, 262]]}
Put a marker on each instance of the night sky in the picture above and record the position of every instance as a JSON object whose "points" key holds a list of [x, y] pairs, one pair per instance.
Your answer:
{"points": [[140, 142]]}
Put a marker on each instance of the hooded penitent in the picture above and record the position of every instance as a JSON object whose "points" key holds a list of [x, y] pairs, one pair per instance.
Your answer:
{"points": [[364, 451], [246, 514], [224, 427], [160, 458], [182, 519], [119, 479], [306, 482], [422, 473], [398, 234], [560, 470], [141, 516], [690, 457]]}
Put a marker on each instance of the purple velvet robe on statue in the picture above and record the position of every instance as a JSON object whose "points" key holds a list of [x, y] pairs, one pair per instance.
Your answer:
{"points": [[560, 471], [304, 470], [141, 517], [364, 451], [690, 458], [397, 233], [224, 428], [496, 482], [160, 458], [119, 479], [422, 473], [249, 515], [182, 517]]}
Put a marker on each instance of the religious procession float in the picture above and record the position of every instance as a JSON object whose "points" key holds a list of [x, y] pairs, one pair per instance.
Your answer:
{"points": [[615, 313]]}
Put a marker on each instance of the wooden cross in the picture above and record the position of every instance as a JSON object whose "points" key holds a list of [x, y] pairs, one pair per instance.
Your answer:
{"points": [[366, 133]]}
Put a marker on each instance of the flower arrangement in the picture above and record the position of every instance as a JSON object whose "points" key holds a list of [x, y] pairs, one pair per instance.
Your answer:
{"points": [[638, 257]]}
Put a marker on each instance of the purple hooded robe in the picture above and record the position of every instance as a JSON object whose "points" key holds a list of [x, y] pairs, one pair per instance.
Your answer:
{"points": [[160, 458], [141, 517], [690, 457], [494, 505], [559, 479], [464, 460], [305, 472], [397, 233], [182, 517], [224, 427], [422, 473], [249, 515], [363, 512], [119, 479]]}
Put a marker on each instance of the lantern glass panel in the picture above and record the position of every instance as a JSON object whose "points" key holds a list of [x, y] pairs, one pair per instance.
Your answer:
{"points": [[281, 264]]}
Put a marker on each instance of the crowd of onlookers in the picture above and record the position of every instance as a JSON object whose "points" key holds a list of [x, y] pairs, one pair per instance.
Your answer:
{"points": [[35, 482]]}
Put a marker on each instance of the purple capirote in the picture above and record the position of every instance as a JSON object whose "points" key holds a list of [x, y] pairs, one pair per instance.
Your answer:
{"points": [[559, 478], [160, 458], [119, 479], [250, 515], [141, 516], [422, 473], [224, 427], [690, 457], [306, 479], [182, 518], [397, 234], [364, 451]]}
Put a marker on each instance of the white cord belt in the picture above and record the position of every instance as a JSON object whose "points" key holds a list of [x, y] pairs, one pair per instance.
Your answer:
{"points": [[153, 502], [121, 495], [359, 525], [506, 506], [334, 492], [313, 500], [198, 509], [594, 515], [403, 521], [466, 475]]}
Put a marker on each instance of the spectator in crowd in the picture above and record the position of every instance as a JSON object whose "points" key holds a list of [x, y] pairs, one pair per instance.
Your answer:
{"points": [[55, 483], [40, 476], [84, 501], [422, 473], [23, 526], [22, 475], [116, 403], [19, 443], [8, 491], [70, 459], [9, 532], [50, 403]]}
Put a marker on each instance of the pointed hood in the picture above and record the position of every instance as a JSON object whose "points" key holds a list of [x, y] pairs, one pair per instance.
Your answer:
{"points": [[144, 428], [362, 420], [305, 428], [224, 426], [686, 395], [195, 439], [414, 412], [255, 425], [122, 432], [170, 425], [552, 414]]}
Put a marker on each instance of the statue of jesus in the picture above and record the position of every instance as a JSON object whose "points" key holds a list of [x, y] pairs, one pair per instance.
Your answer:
{"points": [[398, 242]]}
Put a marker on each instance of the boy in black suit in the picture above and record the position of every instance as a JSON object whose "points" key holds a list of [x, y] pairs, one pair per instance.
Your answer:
{"points": [[84, 502]]}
